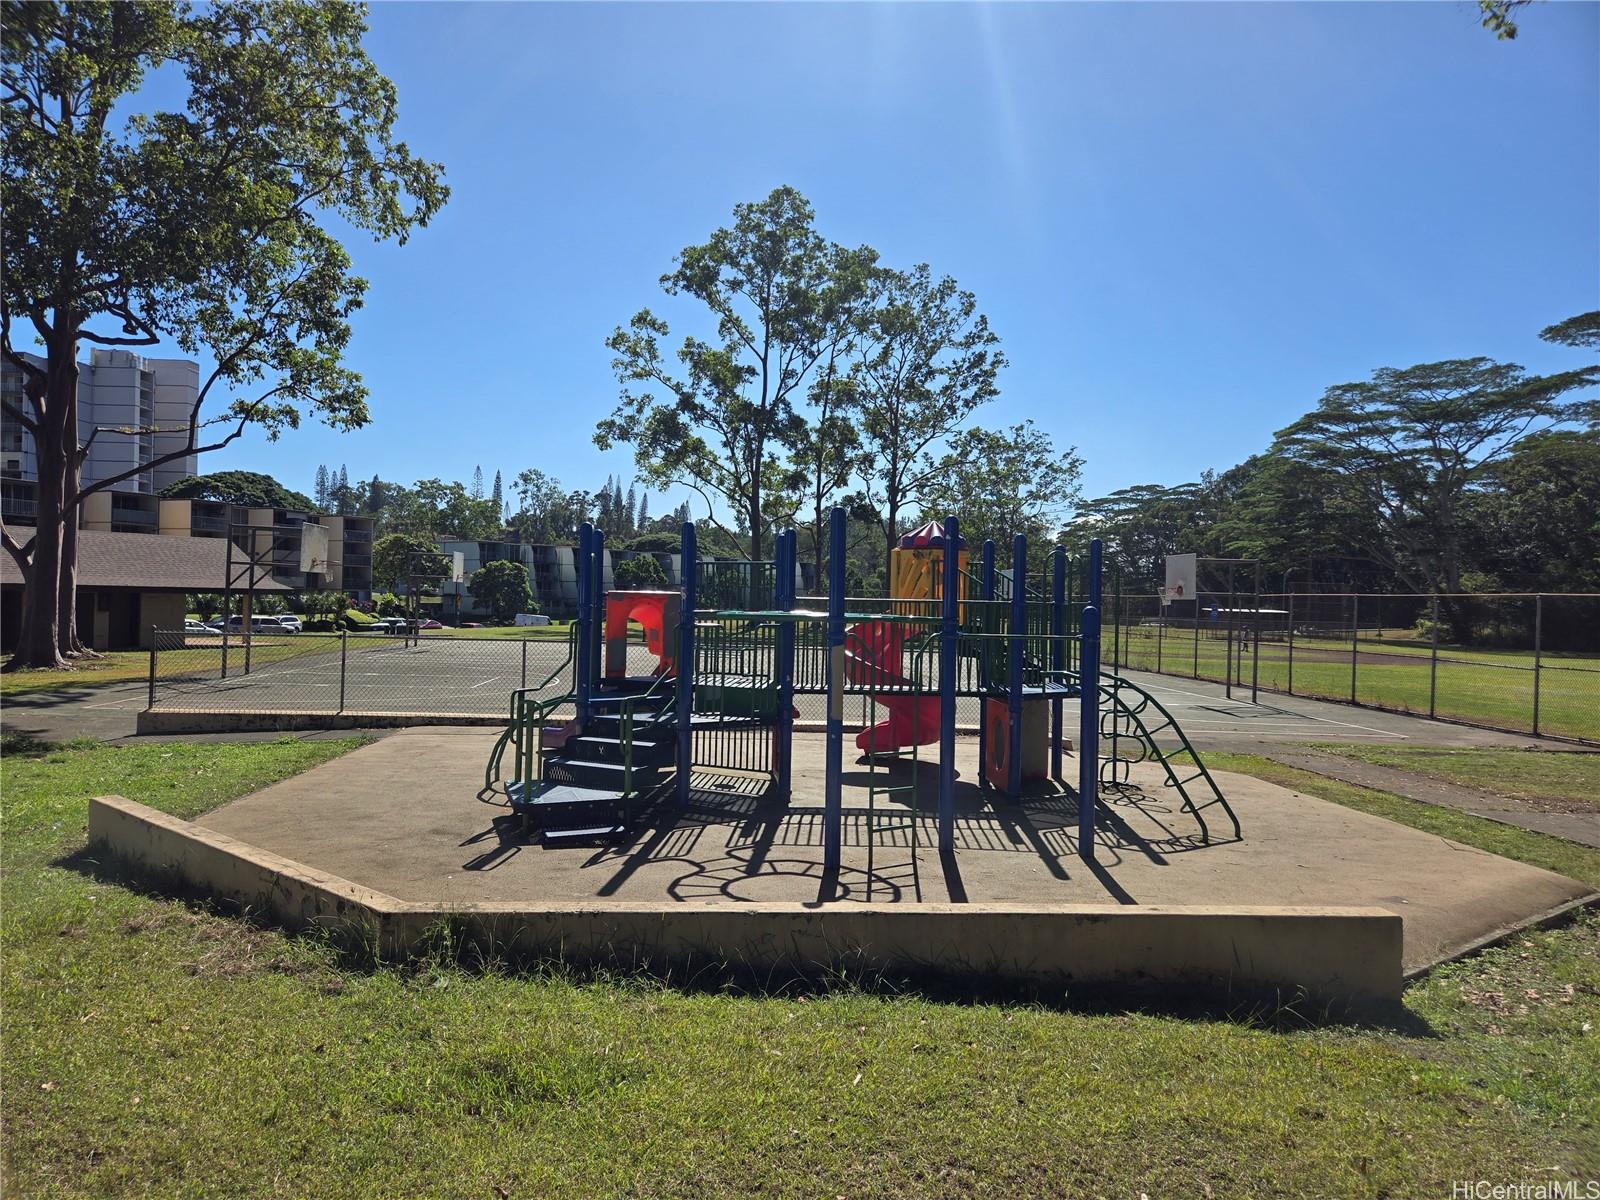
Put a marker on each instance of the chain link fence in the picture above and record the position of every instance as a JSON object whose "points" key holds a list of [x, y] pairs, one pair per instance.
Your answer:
{"points": [[354, 673], [1522, 663]]}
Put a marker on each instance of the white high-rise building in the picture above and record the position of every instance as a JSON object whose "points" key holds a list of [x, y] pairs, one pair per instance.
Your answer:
{"points": [[117, 391]]}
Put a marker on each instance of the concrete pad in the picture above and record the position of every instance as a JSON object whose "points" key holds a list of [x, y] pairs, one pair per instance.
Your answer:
{"points": [[402, 817], [1348, 957]]}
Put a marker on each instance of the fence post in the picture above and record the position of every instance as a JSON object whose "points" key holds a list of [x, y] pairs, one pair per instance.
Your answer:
{"points": [[1255, 649], [1161, 624], [1290, 606], [1116, 630], [524, 682], [344, 662], [1538, 655], [1433, 653], [1227, 670], [1196, 624], [150, 703], [1355, 640]]}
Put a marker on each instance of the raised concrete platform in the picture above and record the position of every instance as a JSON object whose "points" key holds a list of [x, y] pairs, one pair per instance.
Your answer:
{"points": [[1341, 956], [401, 817]]}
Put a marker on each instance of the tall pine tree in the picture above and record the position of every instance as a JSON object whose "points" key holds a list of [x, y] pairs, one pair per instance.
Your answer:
{"points": [[320, 492], [477, 483], [642, 524], [498, 495]]}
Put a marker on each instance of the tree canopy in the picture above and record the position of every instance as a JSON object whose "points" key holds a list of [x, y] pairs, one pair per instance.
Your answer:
{"points": [[213, 224], [502, 587], [249, 489], [724, 423]]}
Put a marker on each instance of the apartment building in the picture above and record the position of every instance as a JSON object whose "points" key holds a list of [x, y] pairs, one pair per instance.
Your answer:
{"points": [[140, 407]]}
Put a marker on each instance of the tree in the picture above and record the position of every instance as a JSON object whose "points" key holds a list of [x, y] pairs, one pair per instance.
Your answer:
{"points": [[1535, 522], [497, 495], [723, 424], [321, 490], [641, 574], [1410, 444], [1497, 16], [642, 523], [1579, 332], [827, 451], [326, 605], [397, 556], [929, 360], [198, 224], [1004, 483], [1140, 526], [206, 605], [434, 509], [248, 489], [477, 483], [502, 587], [546, 513]]}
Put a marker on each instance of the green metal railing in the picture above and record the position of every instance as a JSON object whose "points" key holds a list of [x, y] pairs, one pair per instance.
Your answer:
{"points": [[1123, 721], [518, 725]]}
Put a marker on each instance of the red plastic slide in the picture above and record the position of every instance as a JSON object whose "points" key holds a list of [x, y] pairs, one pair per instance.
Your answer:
{"points": [[873, 656]]}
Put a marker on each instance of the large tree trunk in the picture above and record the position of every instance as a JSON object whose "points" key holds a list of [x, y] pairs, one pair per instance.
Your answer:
{"points": [[40, 639]]}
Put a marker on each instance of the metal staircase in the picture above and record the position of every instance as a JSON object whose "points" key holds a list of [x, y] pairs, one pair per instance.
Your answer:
{"points": [[593, 784]]}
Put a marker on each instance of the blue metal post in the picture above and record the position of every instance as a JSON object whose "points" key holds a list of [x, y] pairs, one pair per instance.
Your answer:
{"points": [[1058, 651], [784, 601], [598, 611], [983, 664], [580, 664], [689, 576], [949, 630], [1089, 708], [1014, 644], [832, 797]]}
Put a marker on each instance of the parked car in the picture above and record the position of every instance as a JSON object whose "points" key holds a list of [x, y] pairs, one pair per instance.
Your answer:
{"points": [[430, 623], [261, 625], [192, 626], [388, 625], [291, 622]]}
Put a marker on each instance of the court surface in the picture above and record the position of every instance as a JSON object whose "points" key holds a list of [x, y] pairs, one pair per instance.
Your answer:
{"points": [[475, 678]]}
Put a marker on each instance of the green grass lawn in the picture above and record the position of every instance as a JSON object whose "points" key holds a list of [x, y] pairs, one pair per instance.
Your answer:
{"points": [[155, 1049], [114, 666], [1488, 687], [1528, 775]]}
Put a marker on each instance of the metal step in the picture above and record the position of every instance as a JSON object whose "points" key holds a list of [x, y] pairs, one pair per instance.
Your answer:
{"points": [[596, 773], [610, 749], [597, 833]]}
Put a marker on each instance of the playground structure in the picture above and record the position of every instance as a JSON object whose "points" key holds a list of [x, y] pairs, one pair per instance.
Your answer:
{"points": [[733, 648]]}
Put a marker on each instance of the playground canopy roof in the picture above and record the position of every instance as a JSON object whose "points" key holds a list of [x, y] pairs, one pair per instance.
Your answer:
{"points": [[928, 537]]}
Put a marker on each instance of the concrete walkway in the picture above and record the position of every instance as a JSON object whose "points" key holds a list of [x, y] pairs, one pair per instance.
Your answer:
{"points": [[1581, 827]]}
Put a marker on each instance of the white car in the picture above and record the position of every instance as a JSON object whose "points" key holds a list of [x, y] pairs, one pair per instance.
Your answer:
{"points": [[191, 626], [291, 622]]}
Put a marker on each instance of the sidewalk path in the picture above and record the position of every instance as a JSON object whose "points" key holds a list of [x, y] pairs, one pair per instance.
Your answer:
{"points": [[1581, 827]]}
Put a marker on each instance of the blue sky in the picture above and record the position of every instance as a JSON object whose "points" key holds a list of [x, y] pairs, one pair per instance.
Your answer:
{"points": [[1184, 221]]}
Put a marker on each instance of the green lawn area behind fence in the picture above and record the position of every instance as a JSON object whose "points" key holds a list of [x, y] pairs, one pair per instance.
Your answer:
{"points": [[1484, 687]]}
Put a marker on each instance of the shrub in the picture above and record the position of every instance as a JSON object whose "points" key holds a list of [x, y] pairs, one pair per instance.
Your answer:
{"points": [[502, 587], [640, 574]]}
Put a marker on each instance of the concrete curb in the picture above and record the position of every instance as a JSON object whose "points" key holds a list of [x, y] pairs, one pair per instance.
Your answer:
{"points": [[1348, 956], [167, 721]]}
